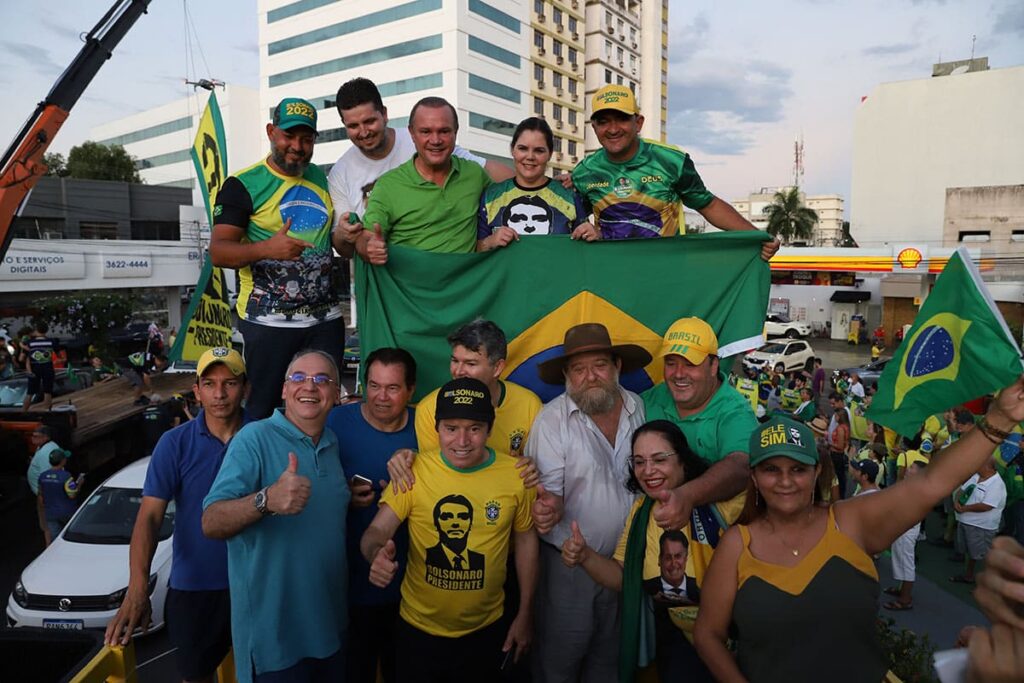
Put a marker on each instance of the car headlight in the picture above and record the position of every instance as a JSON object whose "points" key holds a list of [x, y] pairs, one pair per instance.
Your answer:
{"points": [[115, 599], [20, 594], [152, 585]]}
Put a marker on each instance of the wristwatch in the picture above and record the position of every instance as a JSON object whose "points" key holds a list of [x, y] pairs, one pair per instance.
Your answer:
{"points": [[260, 501]]}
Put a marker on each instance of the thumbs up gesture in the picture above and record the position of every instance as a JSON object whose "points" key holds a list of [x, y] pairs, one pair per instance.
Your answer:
{"points": [[377, 247], [574, 548], [283, 247], [547, 510], [383, 568], [290, 493]]}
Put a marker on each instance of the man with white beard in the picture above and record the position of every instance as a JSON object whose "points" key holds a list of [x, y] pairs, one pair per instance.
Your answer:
{"points": [[580, 442]]}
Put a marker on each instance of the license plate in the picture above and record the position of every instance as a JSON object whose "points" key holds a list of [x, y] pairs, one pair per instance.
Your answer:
{"points": [[64, 624]]}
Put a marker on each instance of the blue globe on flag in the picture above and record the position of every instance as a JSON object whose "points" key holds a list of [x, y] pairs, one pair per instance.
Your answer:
{"points": [[307, 212], [932, 350]]}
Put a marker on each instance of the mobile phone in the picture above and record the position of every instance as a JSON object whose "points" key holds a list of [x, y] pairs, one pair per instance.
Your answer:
{"points": [[509, 658], [360, 479]]}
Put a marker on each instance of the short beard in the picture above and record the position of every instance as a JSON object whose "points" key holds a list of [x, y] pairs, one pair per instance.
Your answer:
{"points": [[595, 400], [296, 169]]}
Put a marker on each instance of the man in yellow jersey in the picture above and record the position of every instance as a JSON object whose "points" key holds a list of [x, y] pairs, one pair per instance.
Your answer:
{"points": [[468, 503], [479, 350], [272, 222]]}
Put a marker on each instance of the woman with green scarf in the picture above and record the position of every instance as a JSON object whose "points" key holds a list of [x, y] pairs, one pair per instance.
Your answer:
{"points": [[661, 460]]}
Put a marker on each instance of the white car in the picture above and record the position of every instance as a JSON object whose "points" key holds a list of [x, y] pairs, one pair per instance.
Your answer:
{"points": [[792, 353], [781, 326], [80, 580]]}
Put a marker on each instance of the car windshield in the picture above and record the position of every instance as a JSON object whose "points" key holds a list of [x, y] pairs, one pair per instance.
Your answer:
{"points": [[108, 517], [772, 348], [779, 318]]}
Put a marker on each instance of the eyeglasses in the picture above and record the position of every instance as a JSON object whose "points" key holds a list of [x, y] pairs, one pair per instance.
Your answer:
{"points": [[301, 377], [636, 462]]}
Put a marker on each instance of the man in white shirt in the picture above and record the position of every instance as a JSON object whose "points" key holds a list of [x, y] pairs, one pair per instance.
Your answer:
{"points": [[376, 149], [580, 442], [979, 507]]}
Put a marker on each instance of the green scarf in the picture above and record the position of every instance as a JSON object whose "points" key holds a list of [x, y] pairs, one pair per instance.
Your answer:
{"points": [[636, 639]]}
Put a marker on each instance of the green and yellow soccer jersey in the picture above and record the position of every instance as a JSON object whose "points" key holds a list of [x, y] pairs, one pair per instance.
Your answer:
{"points": [[460, 527], [513, 419], [640, 197], [279, 293]]}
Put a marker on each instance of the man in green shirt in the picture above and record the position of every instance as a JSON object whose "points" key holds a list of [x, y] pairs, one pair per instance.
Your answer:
{"points": [[634, 186], [716, 419], [429, 202]]}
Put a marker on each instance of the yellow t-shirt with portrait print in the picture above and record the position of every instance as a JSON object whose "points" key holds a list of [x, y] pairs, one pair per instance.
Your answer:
{"points": [[709, 521], [513, 417], [460, 526]]}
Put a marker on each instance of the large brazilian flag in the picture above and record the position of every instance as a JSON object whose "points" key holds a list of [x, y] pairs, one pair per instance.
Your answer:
{"points": [[959, 348], [537, 288]]}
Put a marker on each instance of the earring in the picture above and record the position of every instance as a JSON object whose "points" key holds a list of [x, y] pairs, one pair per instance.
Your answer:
{"points": [[757, 497]]}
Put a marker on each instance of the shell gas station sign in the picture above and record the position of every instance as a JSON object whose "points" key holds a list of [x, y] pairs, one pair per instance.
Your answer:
{"points": [[898, 258]]}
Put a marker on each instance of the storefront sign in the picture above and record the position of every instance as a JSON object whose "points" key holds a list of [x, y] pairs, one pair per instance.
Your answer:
{"points": [[42, 265], [126, 265]]}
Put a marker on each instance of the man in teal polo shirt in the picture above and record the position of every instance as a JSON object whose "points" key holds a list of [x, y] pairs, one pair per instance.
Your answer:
{"points": [[716, 419], [430, 201], [280, 500]]}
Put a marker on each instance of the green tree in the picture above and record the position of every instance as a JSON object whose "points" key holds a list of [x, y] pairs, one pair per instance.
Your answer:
{"points": [[95, 314], [91, 160], [55, 165], [788, 218]]}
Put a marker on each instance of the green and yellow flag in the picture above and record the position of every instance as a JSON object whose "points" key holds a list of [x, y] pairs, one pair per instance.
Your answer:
{"points": [[959, 348], [208, 321], [537, 288]]}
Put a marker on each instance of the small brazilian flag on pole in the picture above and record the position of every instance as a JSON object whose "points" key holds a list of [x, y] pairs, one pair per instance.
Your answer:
{"points": [[959, 348]]}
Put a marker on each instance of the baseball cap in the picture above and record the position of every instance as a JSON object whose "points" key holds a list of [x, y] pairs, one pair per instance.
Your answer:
{"points": [[785, 437], [220, 354], [294, 111], [464, 399], [691, 338], [58, 455], [868, 468], [617, 97]]}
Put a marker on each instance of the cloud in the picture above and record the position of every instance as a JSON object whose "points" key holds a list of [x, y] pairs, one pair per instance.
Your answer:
{"points": [[690, 39], [62, 31], [37, 58], [1010, 20], [887, 50], [709, 132]]}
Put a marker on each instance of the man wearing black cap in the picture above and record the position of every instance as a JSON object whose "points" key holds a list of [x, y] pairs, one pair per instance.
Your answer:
{"points": [[272, 222], [467, 503], [581, 443], [864, 473]]}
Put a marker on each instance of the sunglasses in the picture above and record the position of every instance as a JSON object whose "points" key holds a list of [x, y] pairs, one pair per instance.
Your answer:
{"points": [[319, 380]]}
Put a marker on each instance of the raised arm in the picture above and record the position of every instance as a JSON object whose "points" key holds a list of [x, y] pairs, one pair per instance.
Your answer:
{"points": [[875, 521], [723, 480]]}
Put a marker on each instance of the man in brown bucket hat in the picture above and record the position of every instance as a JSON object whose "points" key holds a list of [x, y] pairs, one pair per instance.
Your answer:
{"points": [[580, 442]]}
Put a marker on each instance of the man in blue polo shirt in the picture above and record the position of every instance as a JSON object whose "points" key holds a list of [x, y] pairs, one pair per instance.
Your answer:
{"points": [[280, 500], [369, 432], [184, 464]]}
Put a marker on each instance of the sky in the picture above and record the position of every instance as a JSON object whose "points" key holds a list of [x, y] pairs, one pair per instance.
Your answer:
{"points": [[746, 77]]}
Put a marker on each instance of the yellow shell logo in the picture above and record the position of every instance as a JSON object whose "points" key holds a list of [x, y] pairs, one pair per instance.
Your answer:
{"points": [[909, 258]]}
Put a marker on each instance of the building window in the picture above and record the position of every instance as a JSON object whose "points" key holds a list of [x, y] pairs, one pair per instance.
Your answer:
{"points": [[622, 27], [572, 25], [97, 231], [572, 117], [1017, 236], [608, 50], [38, 228], [494, 14], [556, 16], [558, 144], [489, 123], [151, 132], [556, 79], [609, 20], [538, 106], [538, 38], [556, 47], [572, 86], [632, 62], [538, 6], [607, 76], [620, 54], [618, 80], [632, 87], [381, 54], [164, 159], [345, 28], [493, 51], [975, 236], [632, 35], [156, 230], [490, 87], [538, 72], [572, 148], [573, 56], [556, 112]]}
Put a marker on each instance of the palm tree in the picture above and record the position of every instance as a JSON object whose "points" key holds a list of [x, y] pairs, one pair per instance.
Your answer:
{"points": [[788, 218]]}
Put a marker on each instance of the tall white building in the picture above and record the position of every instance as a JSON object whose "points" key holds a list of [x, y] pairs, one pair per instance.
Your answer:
{"points": [[161, 138], [472, 53], [913, 140], [829, 207]]}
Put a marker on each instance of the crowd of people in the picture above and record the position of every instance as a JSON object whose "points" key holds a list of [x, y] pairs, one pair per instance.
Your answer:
{"points": [[482, 534]]}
